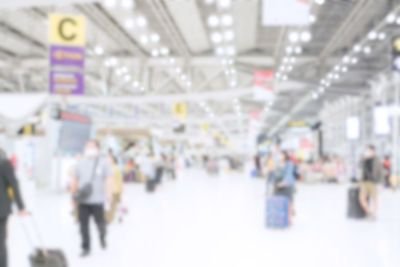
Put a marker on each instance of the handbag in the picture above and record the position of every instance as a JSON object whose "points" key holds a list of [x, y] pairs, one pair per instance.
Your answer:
{"points": [[86, 190]]}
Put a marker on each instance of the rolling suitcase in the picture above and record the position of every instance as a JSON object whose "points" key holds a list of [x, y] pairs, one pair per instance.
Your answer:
{"points": [[150, 186], [277, 212], [42, 257], [354, 209]]}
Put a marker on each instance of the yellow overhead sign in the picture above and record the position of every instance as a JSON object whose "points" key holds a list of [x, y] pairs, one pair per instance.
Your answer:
{"points": [[297, 124], [179, 110], [205, 126], [67, 29]]}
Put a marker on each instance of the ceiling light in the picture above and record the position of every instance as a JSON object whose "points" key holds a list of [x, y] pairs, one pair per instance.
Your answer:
{"points": [[224, 3], [172, 60], [189, 84], [230, 62], [128, 4], [144, 39], [155, 52], [285, 78], [382, 36], [391, 18], [141, 21], [99, 50], [178, 70], [315, 96], [298, 50], [226, 72], [135, 84], [312, 18], [292, 60], [346, 59], [290, 68], [155, 38], [213, 21], [130, 23], [354, 60], [229, 35], [113, 61], [220, 51], [294, 37], [233, 83], [328, 84], [305, 36], [278, 75], [345, 69], [336, 76], [107, 63], [322, 81], [289, 50], [321, 89], [230, 51], [110, 3], [183, 77], [367, 50], [142, 88], [320, 2], [164, 51], [330, 75], [233, 71], [357, 48], [127, 78], [337, 67], [208, 2], [235, 100], [216, 37], [372, 35], [282, 68], [398, 20], [124, 69], [285, 60], [227, 20]]}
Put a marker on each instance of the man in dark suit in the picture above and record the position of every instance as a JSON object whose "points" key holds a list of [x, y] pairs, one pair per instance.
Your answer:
{"points": [[7, 182]]}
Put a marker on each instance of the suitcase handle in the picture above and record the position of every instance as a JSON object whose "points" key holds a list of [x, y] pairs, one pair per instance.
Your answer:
{"points": [[37, 233]]}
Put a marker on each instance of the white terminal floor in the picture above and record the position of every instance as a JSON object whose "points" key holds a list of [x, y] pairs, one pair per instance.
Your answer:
{"points": [[219, 221]]}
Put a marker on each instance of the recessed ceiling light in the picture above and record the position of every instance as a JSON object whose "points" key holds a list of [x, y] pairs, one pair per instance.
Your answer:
{"points": [[141, 21], [321, 89], [144, 39], [372, 35], [391, 18], [224, 3], [110, 3], [398, 20], [164, 51], [382, 36], [337, 67], [227, 20], [178, 70], [285, 78], [213, 21], [155, 52], [209, 2], [357, 48], [171, 60], [346, 59], [315, 96], [183, 77], [230, 51], [294, 37], [155, 38], [128, 4], [320, 2], [130, 23], [306, 36], [354, 60], [127, 78], [216, 37], [99, 50], [298, 50], [229, 35], [367, 50], [312, 18], [189, 84], [135, 84], [289, 50]]}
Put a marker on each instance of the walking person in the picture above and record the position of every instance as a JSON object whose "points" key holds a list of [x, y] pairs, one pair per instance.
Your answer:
{"points": [[117, 188], [92, 187], [371, 176], [8, 183]]}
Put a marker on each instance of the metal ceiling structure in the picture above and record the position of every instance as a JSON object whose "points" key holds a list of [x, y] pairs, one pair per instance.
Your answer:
{"points": [[162, 49]]}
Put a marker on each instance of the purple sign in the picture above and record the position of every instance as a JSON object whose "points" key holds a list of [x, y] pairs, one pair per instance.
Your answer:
{"points": [[67, 56], [66, 83]]}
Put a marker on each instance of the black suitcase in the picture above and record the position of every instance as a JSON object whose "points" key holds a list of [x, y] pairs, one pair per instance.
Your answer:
{"points": [[159, 174], [150, 186], [354, 209], [44, 257], [48, 258]]}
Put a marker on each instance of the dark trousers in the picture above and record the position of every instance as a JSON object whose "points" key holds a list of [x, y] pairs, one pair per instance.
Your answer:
{"points": [[85, 212], [3, 237]]}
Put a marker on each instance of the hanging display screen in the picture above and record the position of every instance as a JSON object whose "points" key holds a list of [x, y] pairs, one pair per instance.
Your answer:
{"points": [[353, 128], [381, 121]]}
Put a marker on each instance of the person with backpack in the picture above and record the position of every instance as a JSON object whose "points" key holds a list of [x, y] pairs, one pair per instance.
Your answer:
{"points": [[8, 183], [92, 187]]}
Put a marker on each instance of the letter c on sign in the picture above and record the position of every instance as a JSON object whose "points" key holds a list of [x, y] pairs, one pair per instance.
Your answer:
{"points": [[61, 28]]}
